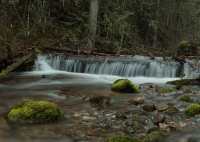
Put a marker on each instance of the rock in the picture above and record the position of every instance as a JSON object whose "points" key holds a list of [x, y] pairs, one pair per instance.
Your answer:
{"points": [[192, 110], [100, 101], [158, 118], [88, 118], [187, 48], [124, 86], [137, 100], [168, 127], [35, 112], [172, 109], [162, 107], [149, 107]]}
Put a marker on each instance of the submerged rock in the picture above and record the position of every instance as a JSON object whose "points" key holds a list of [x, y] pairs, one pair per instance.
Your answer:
{"points": [[35, 112], [137, 100], [100, 101], [192, 110], [149, 107], [124, 86]]}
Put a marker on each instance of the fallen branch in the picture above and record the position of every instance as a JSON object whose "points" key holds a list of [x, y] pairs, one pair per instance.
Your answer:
{"points": [[17, 63], [79, 52]]}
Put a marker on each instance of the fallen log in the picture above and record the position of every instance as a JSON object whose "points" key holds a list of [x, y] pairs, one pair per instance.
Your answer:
{"points": [[17, 63], [185, 82], [79, 52]]}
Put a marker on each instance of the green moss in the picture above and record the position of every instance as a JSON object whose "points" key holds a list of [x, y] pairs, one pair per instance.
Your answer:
{"points": [[167, 90], [124, 85], [122, 139], [193, 109], [155, 136], [186, 99], [3, 73], [34, 112]]}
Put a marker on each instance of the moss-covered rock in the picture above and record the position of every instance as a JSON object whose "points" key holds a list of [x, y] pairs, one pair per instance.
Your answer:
{"points": [[187, 48], [193, 109], [154, 136], [34, 112], [122, 139], [164, 90], [125, 86], [187, 99]]}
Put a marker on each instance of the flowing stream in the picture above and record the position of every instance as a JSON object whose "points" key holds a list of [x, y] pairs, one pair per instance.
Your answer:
{"points": [[69, 81]]}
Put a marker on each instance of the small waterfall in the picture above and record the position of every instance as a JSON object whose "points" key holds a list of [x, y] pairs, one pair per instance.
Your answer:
{"points": [[41, 64], [126, 67], [121, 66]]}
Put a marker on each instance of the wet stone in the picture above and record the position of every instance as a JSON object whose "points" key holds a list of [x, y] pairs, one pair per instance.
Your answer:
{"points": [[137, 100], [100, 101], [162, 107], [149, 107], [158, 118]]}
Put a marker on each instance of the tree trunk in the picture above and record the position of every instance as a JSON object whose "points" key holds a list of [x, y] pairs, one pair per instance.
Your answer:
{"points": [[155, 38], [94, 8]]}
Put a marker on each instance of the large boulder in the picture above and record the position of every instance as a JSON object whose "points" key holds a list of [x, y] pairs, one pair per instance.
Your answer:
{"points": [[124, 86], [34, 112]]}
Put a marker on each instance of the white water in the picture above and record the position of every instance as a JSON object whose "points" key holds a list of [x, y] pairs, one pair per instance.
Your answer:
{"points": [[127, 67], [43, 67]]}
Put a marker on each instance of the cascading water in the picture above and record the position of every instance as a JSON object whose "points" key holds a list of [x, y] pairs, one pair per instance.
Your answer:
{"points": [[126, 67], [41, 64]]}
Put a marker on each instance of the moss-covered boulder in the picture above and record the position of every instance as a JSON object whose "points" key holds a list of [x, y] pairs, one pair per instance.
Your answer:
{"points": [[193, 109], [187, 48], [122, 139], [186, 98], [124, 86], [34, 112]]}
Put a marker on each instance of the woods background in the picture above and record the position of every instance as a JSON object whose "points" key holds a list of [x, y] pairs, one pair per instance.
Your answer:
{"points": [[123, 26]]}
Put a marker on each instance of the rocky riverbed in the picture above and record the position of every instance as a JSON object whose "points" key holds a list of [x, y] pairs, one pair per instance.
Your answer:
{"points": [[93, 113]]}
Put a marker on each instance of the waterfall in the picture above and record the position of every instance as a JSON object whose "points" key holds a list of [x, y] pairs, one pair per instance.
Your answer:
{"points": [[121, 66], [41, 64]]}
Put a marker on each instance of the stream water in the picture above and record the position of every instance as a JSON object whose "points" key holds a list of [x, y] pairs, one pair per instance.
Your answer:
{"points": [[69, 81]]}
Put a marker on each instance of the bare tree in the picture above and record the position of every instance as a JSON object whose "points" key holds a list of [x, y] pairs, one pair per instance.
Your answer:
{"points": [[93, 17]]}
